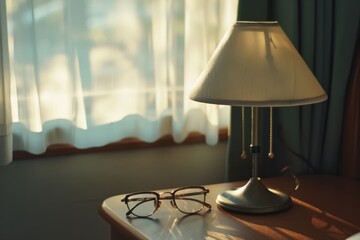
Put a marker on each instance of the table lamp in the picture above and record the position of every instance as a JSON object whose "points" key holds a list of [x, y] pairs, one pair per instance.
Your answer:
{"points": [[255, 65]]}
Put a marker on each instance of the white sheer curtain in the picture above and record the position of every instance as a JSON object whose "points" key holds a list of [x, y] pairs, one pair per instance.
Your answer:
{"points": [[91, 72], [5, 111]]}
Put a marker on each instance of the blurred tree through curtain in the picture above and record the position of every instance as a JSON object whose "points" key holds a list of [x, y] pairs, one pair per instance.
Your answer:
{"points": [[90, 72]]}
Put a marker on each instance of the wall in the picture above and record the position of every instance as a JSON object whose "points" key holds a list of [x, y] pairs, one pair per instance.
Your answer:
{"points": [[59, 197]]}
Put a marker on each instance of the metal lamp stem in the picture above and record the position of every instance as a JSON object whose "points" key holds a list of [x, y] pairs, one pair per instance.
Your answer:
{"points": [[255, 148]]}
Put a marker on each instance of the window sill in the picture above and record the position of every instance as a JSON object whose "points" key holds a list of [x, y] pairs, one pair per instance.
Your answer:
{"points": [[125, 144]]}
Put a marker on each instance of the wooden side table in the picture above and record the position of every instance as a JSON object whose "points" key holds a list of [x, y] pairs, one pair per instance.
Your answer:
{"points": [[324, 207]]}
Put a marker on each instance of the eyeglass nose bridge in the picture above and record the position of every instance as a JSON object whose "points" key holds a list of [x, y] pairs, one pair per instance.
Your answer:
{"points": [[169, 196]]}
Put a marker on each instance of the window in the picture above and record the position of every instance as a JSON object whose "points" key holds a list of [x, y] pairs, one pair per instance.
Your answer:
{"points": [[91, 72]]}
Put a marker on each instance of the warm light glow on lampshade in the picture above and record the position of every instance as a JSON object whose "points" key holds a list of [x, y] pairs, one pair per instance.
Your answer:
{"points": [[256, 64]]}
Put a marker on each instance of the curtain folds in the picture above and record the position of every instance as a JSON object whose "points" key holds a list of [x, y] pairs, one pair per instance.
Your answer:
{"points": [[350, 157], [89, 73], [5, 108], [306, 138]]}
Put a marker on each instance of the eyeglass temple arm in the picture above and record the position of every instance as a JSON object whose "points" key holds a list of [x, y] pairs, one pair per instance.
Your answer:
{"points": [[181, 196], [199, 201], [192, 194]]}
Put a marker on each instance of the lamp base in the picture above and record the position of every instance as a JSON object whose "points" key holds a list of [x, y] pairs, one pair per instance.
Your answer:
{"points": [[254, 197]]}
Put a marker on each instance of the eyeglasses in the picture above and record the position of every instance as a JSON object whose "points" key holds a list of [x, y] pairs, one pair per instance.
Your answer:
{"points": [[188, 200]]}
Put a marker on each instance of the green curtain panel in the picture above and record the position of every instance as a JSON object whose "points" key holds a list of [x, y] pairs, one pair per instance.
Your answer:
{"points": [[307, 138], [350, 149]]}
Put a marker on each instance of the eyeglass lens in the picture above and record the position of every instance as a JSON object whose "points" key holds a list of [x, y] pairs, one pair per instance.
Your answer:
{"points": [[189, 200], [142, 205]]}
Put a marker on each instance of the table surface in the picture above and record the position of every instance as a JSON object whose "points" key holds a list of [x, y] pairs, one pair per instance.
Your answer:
{"points": [[324, 207]]}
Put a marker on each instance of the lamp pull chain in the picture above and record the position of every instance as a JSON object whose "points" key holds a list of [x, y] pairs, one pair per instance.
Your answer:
{"points": [[243, 154], [271, 154]]}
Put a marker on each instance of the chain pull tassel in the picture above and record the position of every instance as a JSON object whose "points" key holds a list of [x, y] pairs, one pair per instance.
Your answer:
{"points": [[243, 154], [271, 153]]}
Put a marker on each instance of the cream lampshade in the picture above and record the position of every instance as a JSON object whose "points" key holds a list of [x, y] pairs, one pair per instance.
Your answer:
{"points": [[256, 65]]}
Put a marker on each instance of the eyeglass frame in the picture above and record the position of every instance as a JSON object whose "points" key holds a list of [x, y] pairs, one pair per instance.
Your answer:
{"points": [[168, 197]]}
